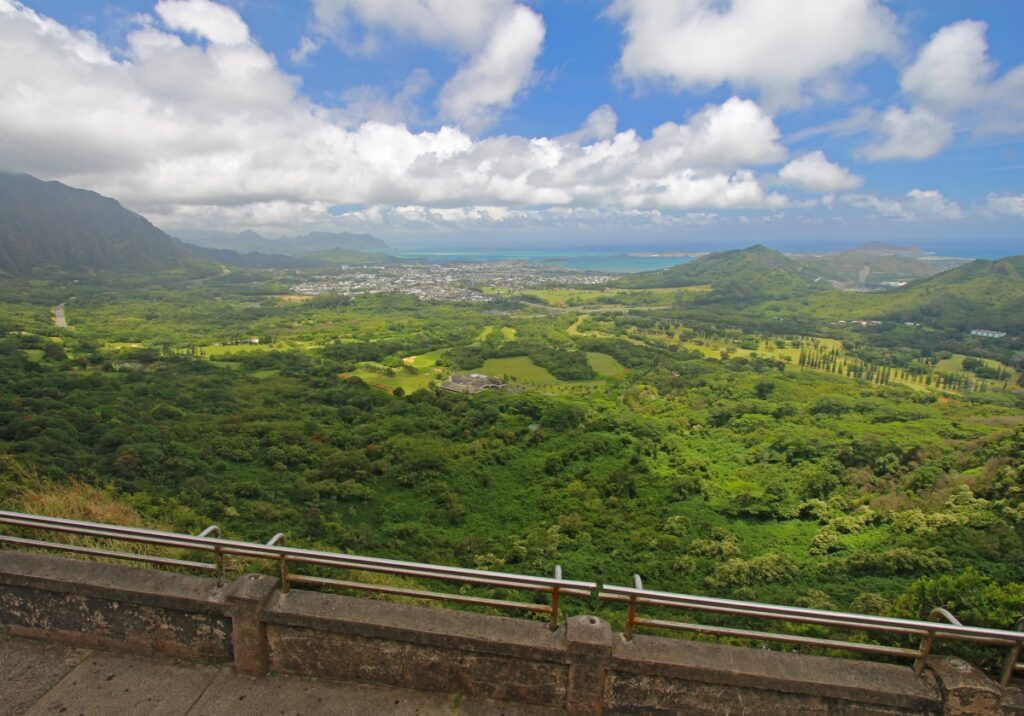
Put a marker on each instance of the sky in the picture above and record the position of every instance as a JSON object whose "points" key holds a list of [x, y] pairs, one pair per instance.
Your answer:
{"points": [[689, 123]]}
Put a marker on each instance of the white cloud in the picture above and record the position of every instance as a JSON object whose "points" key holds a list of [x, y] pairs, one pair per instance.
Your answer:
{"points": [[814, 172], [915, 205], [209, 20], [210, 133], [1007, 204], [917, 134], [480, 90], [775, 46], [954, 74], [500, 39], [308, 46], [952, 83], [950, 68]]}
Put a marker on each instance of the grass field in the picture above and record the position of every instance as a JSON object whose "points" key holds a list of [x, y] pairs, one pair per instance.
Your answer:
{"points": [[425, 360], [954, 364], [567, 297], [520, 368], [406, 380], [507, 332], [605, 365]]}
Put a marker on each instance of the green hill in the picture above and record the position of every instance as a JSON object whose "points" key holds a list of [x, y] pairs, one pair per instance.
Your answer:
{"points": [[45, 225], [753, 272], [867, 267], [981, 294]]}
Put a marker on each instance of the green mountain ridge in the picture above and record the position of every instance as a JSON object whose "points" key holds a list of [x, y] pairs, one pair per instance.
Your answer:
{"points": [[311, 243], [981, 294], [753, 272], [48, 225]]}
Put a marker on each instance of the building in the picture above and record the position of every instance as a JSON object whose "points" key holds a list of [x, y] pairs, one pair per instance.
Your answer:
{"points": [[471, 383], [987, 334]]}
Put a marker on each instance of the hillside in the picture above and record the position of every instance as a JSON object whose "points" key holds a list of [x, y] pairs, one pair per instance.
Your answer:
{"points": [[313, 242], [249, 259], [871, 266], [980, 294], [47, 225], [753, 272]]}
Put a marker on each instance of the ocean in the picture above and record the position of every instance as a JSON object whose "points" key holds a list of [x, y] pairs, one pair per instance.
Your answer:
{"points": [[611, 261]]}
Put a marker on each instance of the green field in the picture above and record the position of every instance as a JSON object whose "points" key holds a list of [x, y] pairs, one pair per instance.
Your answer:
{"points": [[605, 365], [569, 297], [406, 380], [520, 368]]}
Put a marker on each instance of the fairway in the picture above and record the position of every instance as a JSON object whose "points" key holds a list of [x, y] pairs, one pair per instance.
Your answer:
{"points": [[605, 365], [408, 382], [520, 368]]}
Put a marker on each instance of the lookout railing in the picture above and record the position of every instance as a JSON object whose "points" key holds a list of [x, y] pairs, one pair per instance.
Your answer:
{"points": [[942, 625]]}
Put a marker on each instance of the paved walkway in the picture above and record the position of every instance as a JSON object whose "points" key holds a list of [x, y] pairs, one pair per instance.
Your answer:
{"points": [[39, 678]]}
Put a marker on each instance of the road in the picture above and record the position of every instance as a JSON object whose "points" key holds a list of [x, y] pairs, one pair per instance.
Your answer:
{"points": [[58, 316]]}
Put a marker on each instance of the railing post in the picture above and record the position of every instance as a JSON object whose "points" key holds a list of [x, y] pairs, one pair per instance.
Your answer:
{"points": [[929, 639], [1012, 656], [554, 598], [280, 539], [218, 553], [631, 613]]}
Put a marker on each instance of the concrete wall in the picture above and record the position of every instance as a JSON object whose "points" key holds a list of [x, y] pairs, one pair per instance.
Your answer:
{"points": [[583, 666]]}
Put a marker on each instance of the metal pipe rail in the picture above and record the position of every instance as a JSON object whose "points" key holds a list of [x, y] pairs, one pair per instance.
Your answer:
{"points": [[556, 587], [277, 550], [928, 631]]}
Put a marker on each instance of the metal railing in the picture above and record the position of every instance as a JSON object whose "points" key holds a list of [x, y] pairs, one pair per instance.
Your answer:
{"points": [[929, 631], [555, 587], [286, 557]]}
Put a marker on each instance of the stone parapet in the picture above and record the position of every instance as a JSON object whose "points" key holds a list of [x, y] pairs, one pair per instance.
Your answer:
{"points": [[583, 666]]}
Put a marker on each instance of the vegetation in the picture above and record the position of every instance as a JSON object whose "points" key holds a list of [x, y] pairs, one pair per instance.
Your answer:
{"points": [[722, 444]]}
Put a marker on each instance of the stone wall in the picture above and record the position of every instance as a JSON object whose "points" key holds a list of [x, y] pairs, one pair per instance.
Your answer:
{"points": [[583, 667]]}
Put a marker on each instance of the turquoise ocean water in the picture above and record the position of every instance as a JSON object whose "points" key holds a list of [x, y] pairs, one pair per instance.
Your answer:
{"points": [[615, 261]]}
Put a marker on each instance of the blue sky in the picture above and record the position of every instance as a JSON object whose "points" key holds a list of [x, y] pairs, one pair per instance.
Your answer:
{"points": [[686, 122]]}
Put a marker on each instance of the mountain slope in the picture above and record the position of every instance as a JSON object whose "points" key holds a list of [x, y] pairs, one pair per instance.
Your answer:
{"points": [[47, 225], [753, 272], [261, 260], [313, 242], [871, 267], [980, 294]]}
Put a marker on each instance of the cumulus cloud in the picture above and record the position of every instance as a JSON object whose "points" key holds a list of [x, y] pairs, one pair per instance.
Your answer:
{"points": [[777, 47], [917, 134], [1008, 205], [950, 67], [209, 20], [814, 172], [219, 135], [500, 39], [915, 205], [951, 83], [954, 74]]}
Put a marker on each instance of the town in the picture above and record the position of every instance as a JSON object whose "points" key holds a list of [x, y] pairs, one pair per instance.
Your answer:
{"points": [[452, 282]]}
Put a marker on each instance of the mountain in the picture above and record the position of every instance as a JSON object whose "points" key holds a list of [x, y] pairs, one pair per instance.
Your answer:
{"points": [[753, 272], [313, 242], [45, 225], [873, 265], [981, 294], [249, 259], [880, 248], [316, 259]]}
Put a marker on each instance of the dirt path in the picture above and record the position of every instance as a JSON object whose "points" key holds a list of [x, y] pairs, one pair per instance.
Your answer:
{"points": [[58, 316]]}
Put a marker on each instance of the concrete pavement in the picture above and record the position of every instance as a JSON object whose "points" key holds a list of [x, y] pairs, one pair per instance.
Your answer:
{"points": [[38, 678]]}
